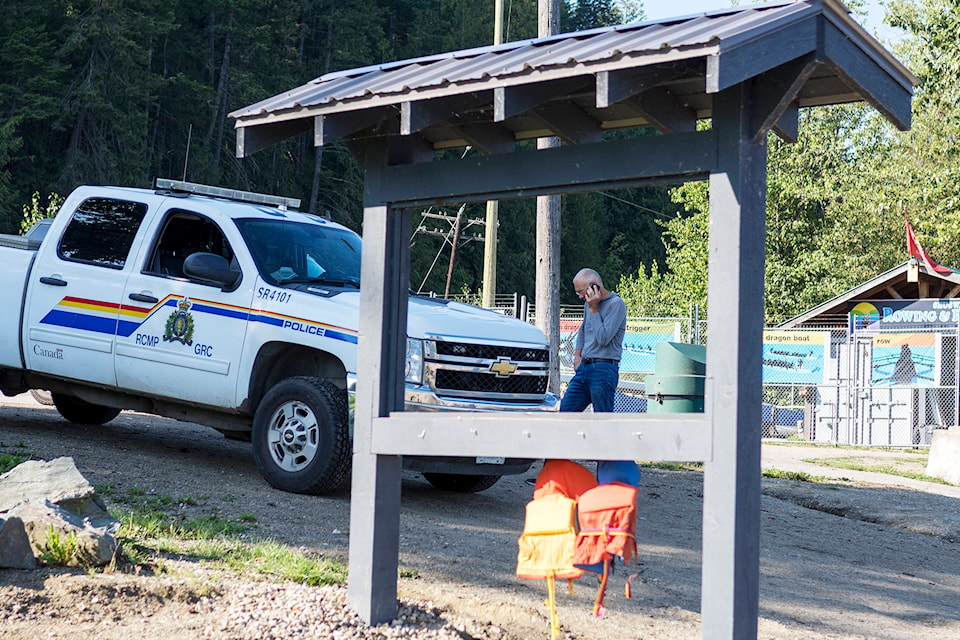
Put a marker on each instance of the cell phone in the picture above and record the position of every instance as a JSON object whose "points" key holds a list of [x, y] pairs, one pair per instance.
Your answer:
{"points": [[595, 286]]}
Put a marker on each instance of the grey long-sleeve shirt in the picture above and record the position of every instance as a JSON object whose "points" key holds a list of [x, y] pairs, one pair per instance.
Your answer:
{"points": [[601, 334]]}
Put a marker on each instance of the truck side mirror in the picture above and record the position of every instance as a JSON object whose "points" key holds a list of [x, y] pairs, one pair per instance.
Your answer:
{"points": [[211, 268]]}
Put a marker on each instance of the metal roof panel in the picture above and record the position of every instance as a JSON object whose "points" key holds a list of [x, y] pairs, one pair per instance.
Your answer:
{"points": [[566, 55]]}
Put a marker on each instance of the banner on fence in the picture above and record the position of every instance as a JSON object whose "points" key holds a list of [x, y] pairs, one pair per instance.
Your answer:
{"points": [[639, 342], [904, 358], [794, 357]]}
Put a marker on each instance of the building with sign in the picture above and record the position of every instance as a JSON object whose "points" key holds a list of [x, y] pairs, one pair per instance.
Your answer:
{"points": [[908, 281], [880, 364]]}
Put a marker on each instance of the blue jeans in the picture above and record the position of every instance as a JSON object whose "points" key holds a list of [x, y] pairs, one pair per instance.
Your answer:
{"points": [[596, 384]]}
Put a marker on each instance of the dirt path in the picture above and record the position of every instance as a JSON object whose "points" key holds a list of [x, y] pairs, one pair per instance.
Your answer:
{"points": [[823, 576]]}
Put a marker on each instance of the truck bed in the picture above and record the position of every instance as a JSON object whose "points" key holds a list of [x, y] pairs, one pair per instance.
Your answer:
{"points": [[19, 242], [16, 256]]}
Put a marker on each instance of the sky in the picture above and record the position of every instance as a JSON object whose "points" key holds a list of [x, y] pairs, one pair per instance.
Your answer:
{"points": [[655, 9]]}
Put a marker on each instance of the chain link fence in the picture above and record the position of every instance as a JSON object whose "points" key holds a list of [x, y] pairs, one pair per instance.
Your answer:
{"points": [[829, 384], [875, 387]]}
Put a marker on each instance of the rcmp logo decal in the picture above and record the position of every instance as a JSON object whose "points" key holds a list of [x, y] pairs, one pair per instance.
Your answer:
{"points": [[179, 326]]}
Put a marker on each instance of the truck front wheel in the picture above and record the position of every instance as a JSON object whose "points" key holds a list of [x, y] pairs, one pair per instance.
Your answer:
{"points": [[460, 483], [81, 411], [301, 441]]}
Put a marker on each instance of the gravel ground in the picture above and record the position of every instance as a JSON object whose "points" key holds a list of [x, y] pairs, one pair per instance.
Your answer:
{"points": [[839, 572]]}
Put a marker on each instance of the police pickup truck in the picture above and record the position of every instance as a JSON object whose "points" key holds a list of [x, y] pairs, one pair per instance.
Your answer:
{"points": [[233, 310]]}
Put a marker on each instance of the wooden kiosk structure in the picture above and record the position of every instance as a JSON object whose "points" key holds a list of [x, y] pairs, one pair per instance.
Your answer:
{"points": [[749, 70]]}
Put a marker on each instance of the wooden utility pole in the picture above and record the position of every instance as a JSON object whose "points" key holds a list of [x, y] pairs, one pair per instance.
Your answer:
{"points": [[453, 251], [548, 230], [493, 206]]}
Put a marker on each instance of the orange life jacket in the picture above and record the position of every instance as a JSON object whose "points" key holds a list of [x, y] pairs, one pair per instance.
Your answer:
{"points": [[608, 520]]}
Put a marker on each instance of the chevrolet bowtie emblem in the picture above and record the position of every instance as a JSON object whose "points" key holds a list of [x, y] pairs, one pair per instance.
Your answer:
{"points": [[503, 367]]}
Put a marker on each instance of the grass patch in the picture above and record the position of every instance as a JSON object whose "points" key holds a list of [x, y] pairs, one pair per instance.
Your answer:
{"points": [[673, 466], [17, 455], [138, 499], [271, 558], [799, 476], [154, 527], [10, 460], [854, 464]]}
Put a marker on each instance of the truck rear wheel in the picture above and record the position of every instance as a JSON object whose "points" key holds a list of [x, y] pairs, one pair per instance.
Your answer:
{"points": [[81, 411], [301, 441], [460, 483]]}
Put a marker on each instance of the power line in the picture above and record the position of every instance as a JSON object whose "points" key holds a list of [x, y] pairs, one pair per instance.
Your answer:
{"points": [[638, 206]]}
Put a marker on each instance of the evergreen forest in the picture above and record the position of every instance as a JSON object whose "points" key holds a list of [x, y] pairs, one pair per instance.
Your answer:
{"points": [[124, 91]]}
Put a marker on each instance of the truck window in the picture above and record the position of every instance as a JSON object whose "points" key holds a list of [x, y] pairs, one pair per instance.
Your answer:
{"points": [[185, 233], [286, 251], [101, 232]]}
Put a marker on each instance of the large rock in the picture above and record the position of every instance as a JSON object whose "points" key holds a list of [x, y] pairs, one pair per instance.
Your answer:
{"points": [[944, 459], [57, 509], [15, 549]]}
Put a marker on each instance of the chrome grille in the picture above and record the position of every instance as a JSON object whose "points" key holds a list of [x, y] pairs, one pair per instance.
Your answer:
{"points": [[490, 383], [492, 352], [487, 372]]}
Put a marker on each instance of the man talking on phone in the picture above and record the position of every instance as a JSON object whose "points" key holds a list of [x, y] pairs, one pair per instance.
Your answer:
{"points": [[596, 362]]}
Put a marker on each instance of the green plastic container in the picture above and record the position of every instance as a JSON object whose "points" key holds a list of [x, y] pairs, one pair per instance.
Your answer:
{"points": [[677, 386]]}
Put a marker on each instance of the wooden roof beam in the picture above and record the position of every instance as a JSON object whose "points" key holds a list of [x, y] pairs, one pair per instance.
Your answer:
{"points": [[871, 81], [788, 126], [417, 115], [256, 137], [775, 92], [753, 57], [569, 122], [334, 126], [512, 101], [663, 110], [620, 85], [490, 139]]}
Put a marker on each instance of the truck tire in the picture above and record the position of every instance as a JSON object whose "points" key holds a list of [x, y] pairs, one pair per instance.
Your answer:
{"points": [[42, 396], [460, 483], [83, 412], [301, 441]]}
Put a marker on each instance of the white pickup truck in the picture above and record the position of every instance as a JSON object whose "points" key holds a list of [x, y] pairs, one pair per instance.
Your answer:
{"points": [[232, 310]]}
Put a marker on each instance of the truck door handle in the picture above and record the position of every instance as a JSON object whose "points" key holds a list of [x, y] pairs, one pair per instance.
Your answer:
{"points": [[57, 282], [142, 297]]}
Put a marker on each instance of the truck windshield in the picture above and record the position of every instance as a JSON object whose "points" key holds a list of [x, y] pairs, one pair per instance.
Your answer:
{"points": [[288, 252]]}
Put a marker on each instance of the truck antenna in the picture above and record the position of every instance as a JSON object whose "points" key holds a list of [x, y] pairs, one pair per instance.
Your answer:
{"points": [[186, 156]]}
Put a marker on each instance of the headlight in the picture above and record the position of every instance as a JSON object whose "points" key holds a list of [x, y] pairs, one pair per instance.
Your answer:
{"points": [[413, 369]]}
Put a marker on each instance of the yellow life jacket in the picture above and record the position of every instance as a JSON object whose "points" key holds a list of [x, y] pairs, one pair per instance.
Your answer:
{"points": [[547, 546]]}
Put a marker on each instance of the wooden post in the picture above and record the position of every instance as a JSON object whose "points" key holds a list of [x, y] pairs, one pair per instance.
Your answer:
{"points": [[375, 491], [731, 494], [547, 297], [491, 234]]}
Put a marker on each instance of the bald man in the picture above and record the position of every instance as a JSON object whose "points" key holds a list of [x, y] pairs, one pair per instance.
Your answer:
{"points": [[596, 361]]}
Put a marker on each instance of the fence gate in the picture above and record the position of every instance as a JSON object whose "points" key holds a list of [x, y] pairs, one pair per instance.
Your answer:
{"points": [[902, 385]]}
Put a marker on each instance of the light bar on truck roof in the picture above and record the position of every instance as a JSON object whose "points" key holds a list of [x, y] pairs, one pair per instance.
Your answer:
{"points": [[229, 194]]}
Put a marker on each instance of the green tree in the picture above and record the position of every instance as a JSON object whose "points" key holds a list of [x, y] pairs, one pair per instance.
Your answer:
{"points": [[34, 212]]}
